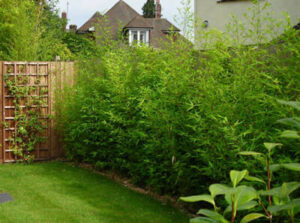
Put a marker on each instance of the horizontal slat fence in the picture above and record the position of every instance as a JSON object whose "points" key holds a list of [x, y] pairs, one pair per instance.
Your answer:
{"points": [[47, 78]]}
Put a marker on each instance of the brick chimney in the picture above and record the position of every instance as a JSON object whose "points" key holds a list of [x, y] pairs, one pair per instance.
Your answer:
{"points": [[64, 17], [158, 9], [73, 28]]}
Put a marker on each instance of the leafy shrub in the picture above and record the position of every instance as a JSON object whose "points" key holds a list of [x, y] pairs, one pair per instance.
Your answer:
{"points": [[80, 47], [279, 205], [174, 119]]}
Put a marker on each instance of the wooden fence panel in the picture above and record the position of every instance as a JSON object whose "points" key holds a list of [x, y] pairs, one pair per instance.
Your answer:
{"points": [[61, 74], [47, 78]]}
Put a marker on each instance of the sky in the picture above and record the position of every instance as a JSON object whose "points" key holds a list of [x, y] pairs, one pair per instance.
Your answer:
{"points": [[81, 10]]}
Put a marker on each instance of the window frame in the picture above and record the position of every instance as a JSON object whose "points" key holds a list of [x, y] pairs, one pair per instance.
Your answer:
{"points": [[139, 31]]}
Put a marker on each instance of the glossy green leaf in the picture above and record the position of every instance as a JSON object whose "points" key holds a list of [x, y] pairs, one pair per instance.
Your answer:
{"points": [[282, 192], [275, 167], [294, 204], [289, 166], [237, 176], [203, 220], [246, 206], [294, 104], [290, 134], [245, 194], [255, 179], [218, 189], [271, 146], [242, 195], [252, 217], [213, 215], [297, 207], [197, 198]]}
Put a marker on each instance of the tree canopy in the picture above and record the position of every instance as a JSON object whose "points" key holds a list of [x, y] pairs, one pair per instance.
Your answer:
{"points": [[31, 31], [149, 9]]}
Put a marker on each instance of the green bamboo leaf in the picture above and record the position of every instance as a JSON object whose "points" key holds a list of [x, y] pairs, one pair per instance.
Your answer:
{"points": [[294, 104], [252, 217], [197, 198], [251, 153], [218, 189], [271, 146], [292, 122], [237, 176], [213, 215], [290, 134]]}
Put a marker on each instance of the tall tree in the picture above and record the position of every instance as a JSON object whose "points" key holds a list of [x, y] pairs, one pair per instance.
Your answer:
{"points": [[31, 30], [149, 9]]}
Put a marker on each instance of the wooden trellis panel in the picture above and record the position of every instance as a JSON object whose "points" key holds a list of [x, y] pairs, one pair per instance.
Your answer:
{"points": [[46, 77]]}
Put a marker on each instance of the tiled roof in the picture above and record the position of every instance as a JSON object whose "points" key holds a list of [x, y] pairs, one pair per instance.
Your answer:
{"points": [[160, 29], [119, 15], [139, 22], [163, 25], [91, 22]]}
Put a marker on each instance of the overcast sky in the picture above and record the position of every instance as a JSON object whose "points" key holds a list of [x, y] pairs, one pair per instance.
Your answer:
{"points": [[81, 10]]}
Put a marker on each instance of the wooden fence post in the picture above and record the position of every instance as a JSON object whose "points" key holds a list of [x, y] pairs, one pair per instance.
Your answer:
{"points": [[1, 113]]}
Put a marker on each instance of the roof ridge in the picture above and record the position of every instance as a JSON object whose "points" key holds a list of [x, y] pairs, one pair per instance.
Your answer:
{"points": [[119, 2], [96, 14]]}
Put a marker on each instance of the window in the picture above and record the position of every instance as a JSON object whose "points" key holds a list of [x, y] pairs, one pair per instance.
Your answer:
{"points": [[135, 35], [139, 36], [143, 36]]}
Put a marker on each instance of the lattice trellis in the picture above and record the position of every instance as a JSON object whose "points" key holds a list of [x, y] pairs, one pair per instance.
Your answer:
{"points": [[37, 76]]}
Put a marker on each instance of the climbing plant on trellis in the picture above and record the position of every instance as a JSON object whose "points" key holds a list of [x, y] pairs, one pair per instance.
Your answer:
{"points": [[26, 111]]}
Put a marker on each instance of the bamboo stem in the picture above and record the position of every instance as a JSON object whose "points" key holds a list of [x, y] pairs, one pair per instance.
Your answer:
{"points": [[269, 186]]}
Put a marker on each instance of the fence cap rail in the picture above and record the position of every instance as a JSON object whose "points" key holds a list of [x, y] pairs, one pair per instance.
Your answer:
{"points": [[24, 63]]}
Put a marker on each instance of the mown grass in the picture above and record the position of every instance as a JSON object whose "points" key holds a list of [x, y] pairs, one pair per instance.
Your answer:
{"points": [[58, 192]]}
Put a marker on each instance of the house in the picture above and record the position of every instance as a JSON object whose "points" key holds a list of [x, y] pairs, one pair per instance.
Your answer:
{"points": [[125, 21], [216, 14]]}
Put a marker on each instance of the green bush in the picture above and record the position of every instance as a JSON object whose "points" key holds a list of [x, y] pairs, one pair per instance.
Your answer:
{"points": [[174, 119], [81, 47]]}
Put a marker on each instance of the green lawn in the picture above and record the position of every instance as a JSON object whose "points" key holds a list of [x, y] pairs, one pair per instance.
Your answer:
{"points": [[57, 192]]}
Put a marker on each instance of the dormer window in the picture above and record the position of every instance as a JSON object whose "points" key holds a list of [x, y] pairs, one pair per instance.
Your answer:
{"points": [[139, 36]]}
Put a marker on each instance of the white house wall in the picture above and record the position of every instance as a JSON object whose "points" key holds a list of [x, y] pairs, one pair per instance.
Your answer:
{"points": [[220, 14]]}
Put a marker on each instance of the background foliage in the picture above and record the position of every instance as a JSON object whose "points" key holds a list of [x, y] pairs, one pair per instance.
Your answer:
{"points": [[80, 47], [34, 31], [149, 9]]}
